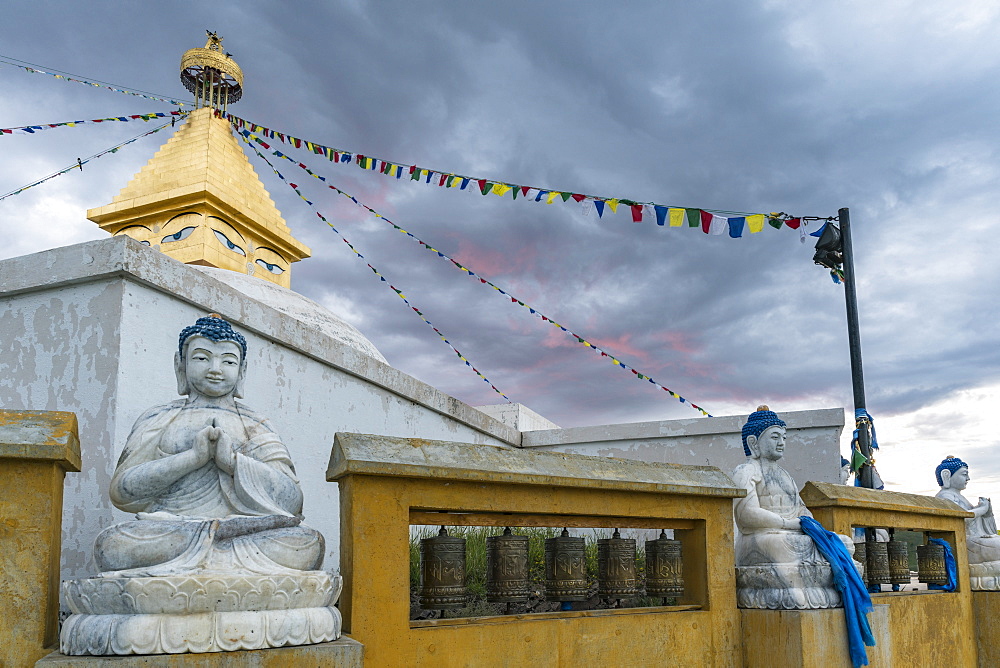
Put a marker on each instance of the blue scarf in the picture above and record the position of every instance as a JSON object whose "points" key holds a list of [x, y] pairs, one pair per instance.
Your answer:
{"points": [[857, 602], [949, 565]]}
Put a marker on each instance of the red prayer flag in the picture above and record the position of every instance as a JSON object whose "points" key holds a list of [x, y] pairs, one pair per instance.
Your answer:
{"points": [[706, 221], [636, 213], [578, 198], [793, 223]]}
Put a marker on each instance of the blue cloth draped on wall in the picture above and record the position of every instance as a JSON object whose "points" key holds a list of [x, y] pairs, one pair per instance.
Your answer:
{"points": [[857, 602]]}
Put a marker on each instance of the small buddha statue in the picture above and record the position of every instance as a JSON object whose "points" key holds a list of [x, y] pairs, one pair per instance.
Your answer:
{"points": [[217, 557], [981, 537], [777, 565]]}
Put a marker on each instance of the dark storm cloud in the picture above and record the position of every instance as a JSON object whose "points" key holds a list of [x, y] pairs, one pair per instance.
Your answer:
{"points": [[743, 106]]}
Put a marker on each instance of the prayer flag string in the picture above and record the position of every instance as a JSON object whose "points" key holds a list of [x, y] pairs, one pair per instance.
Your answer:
{"points": [[399, 293], [32, 129], [81, 162], [711, 221], [247, 135], [77, 79]]}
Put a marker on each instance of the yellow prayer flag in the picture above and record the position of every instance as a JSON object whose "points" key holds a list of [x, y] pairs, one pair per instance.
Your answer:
{"points": [[677, 217], [551, 197], [613, 204], [755, 223], [500, 189]]}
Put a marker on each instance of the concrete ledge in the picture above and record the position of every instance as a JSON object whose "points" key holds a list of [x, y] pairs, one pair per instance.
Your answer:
{"points": [[367, 454], [827, 417], [40, 435], [343, 653], [824, 494]]}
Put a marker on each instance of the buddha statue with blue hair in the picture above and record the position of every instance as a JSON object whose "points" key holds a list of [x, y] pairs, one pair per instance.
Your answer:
{"points": [[778, 567], [981, 537], [217, 557]]}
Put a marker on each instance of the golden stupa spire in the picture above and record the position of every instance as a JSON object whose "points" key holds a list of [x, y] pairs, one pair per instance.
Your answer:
{"points": [[198, 199]]}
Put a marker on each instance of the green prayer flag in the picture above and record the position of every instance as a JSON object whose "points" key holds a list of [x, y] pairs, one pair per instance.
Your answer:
{"points": [[448, 181], [487, 187], [693, 217], [858, 460], [775, 223], [565, 196], [415, 175]]}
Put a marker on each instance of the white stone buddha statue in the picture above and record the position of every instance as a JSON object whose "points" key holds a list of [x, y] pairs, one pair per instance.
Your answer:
{"points": [[981, 537], [777, 565], [218, 509]]}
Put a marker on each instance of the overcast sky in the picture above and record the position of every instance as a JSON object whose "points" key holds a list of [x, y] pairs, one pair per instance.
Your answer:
{"points": [[888, 108]]}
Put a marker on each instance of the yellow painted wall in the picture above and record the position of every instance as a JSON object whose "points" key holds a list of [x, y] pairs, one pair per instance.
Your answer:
{"points": [[375, 519], [986, 608], [36, 449], [928, 629]]}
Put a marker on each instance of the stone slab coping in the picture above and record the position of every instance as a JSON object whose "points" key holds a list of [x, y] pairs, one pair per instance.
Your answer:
{"points": [[826, 417], [344, 652], [40, 435], [826, 494], [369, 454]]}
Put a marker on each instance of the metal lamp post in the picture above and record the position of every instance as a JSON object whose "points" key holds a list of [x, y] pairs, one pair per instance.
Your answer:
{"points": [[833, 248]]}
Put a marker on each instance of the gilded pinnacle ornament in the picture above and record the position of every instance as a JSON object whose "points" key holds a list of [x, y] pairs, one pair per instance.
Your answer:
{"points": [[212, 75]]}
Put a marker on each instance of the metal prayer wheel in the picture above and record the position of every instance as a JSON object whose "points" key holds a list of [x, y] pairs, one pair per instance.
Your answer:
{"points": [[507, 568], [664, 567], [860, 555], [930, 564], [899, 562], [877, 568], [565, 568], [442, 572], [616, 576]]}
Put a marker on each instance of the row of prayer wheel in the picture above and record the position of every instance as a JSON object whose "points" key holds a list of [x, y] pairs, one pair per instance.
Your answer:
{"points": [[889, 563], [442, 569]]}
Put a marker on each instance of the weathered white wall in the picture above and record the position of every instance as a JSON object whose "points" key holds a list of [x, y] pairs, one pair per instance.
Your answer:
{"points": [[92, 329], [812, 451]]}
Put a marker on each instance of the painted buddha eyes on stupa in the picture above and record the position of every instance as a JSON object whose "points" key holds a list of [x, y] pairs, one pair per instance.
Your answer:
{"points": [[179, 235], [229, 244], [273, 268]]}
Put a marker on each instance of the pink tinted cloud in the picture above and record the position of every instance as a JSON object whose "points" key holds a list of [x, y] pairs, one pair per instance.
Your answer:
{"points": [[490, 263], [678, 341]]}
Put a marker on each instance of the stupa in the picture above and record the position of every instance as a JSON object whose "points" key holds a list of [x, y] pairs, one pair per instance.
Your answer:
{"points": [[198, 200]]}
